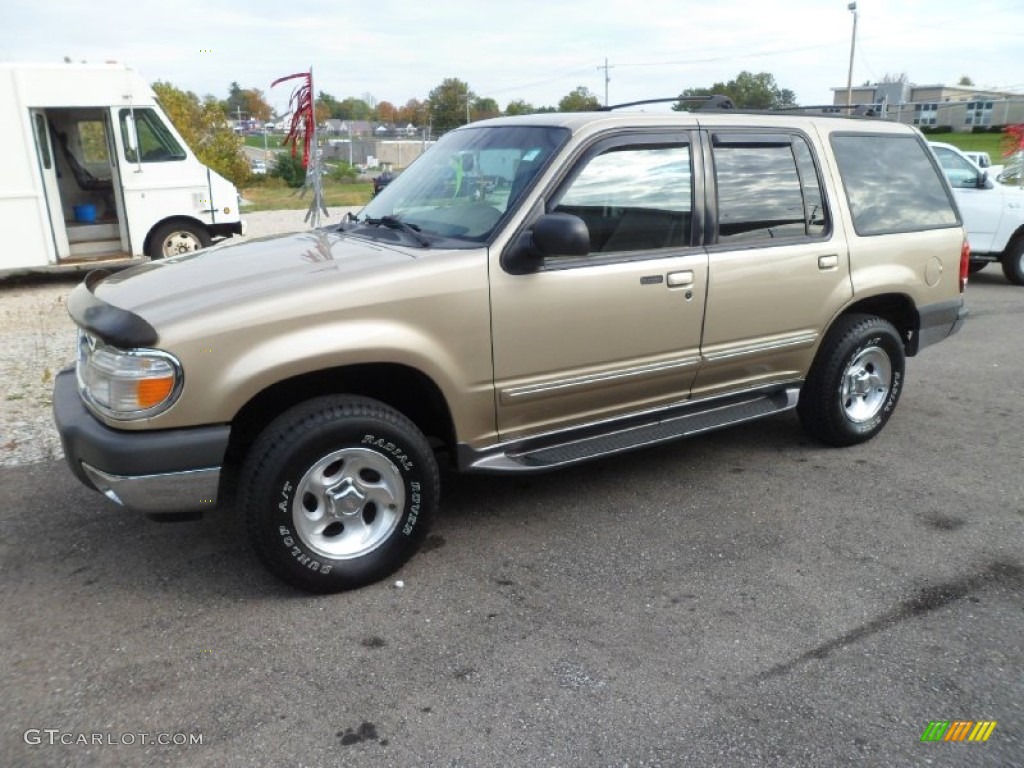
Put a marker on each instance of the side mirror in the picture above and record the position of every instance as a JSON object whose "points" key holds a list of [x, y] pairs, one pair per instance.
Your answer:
{"points": [[132, 136], [984, 182], [553, 234]]}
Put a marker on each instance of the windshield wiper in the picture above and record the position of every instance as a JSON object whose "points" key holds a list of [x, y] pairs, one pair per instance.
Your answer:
{"points": [[393, 222]]}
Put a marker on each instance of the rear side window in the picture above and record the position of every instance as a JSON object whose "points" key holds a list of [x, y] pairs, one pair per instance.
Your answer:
{"points": [[892, 185], [767, 188]]}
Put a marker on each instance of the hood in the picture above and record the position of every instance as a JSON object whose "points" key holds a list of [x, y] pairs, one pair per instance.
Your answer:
{"points": [[164, 291]]}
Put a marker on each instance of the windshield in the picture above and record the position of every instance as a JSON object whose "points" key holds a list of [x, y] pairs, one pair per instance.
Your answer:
{"points": [[465, 184]]}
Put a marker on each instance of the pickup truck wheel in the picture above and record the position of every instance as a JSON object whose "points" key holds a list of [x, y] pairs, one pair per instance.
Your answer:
{"points": [[1013, 261], [176, 238], [338, 492], [855, 381]]}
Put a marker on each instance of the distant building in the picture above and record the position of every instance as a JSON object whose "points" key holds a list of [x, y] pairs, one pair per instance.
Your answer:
{"points": [[957, 108]]}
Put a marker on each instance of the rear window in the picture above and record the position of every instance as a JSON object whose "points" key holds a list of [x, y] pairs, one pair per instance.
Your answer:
{"points": [[892, 185]]}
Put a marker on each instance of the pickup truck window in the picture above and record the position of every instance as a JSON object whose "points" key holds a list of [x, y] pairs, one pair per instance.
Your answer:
{"points": [[892, 184]]}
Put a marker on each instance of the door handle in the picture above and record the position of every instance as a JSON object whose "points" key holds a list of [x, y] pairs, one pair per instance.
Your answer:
{"points": [[827, 263], [680, 279]]}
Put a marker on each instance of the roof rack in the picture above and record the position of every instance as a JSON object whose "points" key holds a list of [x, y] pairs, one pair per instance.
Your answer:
{"points": [[719, 101], [705, 102]]}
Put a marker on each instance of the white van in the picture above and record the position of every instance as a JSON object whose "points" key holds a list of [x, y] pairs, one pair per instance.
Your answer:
{"points": [[93, 172]]}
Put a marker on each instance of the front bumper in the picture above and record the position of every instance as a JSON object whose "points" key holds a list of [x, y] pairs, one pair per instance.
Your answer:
{"points": [[156, 472]]}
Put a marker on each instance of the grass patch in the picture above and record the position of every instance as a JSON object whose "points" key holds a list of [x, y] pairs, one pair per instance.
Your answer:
{"points": [[273, 141], [285, 198], [973, 142]]}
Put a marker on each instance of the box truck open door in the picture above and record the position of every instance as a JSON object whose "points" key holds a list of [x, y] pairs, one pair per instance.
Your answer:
{"points": [[51, 189]]}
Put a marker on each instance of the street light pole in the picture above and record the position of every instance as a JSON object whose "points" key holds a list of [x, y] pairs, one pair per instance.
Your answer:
{"points": [[852, 7]]}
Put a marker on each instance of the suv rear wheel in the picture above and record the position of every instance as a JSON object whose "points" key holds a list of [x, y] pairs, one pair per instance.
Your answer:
{"points": [[855, 381], [338, 492]]}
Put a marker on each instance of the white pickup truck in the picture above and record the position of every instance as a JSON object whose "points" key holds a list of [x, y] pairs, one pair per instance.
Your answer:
{"points": [[993, 213]]}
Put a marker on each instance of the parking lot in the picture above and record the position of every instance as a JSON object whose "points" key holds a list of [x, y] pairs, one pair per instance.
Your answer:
{"points": [[748, 598]]}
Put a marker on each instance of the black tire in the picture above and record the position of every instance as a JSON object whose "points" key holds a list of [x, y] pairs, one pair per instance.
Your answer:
{"points": [[338, 492], [177, 237], [1013, 261], [854, 382], [976, 266]]}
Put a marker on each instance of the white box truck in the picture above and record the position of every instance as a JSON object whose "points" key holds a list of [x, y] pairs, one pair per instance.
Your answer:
{"points": [[92, 172]]}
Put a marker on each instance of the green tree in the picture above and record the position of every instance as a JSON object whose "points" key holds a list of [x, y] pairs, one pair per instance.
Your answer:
{"points": [[204, 127], [353, 109], [485, 107], [747, 91], [290, 169], [965, 81], [519, 107], [579, 100], [448, 104]]}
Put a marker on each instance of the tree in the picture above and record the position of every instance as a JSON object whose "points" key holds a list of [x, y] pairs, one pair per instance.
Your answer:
{"points": [[965, 81], [290, 169], [246, 103], [519, 107], [386, 112], [485, 107], [256, 105], [747, 91], [448, 104], [579, 100], [353, 109], [329, 103], [413, 112], [204, 127]]}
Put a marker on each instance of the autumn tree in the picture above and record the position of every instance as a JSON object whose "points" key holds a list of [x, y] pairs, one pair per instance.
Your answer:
{"points": [[386, 112], [747, 91], [579, 100], [448, 104], [413, 111], [204, 127], [246, 103]]}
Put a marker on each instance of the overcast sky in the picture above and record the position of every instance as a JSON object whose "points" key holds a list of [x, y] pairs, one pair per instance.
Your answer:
{"points": [[536, 50]]}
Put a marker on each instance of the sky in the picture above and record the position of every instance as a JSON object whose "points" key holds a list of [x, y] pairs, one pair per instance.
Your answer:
{"points": [[535, 50]]}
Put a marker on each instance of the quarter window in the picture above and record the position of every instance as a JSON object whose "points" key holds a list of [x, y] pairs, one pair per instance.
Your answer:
{"points": [[892, 184], [634, 198], [767, 189]]}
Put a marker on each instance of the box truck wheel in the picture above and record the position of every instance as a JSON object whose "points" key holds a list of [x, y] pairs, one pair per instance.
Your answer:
{"points": [[177, 237]]}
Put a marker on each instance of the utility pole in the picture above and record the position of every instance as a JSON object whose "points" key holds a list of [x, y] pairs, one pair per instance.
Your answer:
{"points": [[852, 7], [607, 79]]}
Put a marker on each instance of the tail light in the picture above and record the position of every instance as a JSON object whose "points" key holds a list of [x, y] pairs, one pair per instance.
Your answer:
{"points": [[965, 264]]}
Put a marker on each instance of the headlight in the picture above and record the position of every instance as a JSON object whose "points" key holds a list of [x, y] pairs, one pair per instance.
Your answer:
{"points": [[126, 384]]}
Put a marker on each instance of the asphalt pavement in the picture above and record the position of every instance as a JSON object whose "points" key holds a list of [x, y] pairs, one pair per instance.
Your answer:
{"points": [[749, 598]]}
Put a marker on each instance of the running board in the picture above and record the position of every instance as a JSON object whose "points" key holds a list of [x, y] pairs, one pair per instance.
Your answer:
{"points": [[581, 444]]}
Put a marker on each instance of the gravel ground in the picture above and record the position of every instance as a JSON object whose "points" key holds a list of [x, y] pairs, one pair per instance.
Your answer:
{"points": [[37, 339]]}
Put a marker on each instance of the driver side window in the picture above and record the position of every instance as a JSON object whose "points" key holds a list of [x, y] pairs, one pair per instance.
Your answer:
{"points": [[633, 198], [156, 144]]}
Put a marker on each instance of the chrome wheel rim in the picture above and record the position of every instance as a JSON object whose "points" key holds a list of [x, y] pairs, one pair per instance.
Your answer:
{"points": [[866, 384], [180, 241], [348, 503]]}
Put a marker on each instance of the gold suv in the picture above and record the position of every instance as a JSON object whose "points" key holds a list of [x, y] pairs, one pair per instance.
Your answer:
{"points": [[531, 293]]}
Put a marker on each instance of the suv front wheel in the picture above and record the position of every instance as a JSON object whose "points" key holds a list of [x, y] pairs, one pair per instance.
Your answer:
{"points": [[855, 381], [338, 492]]}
